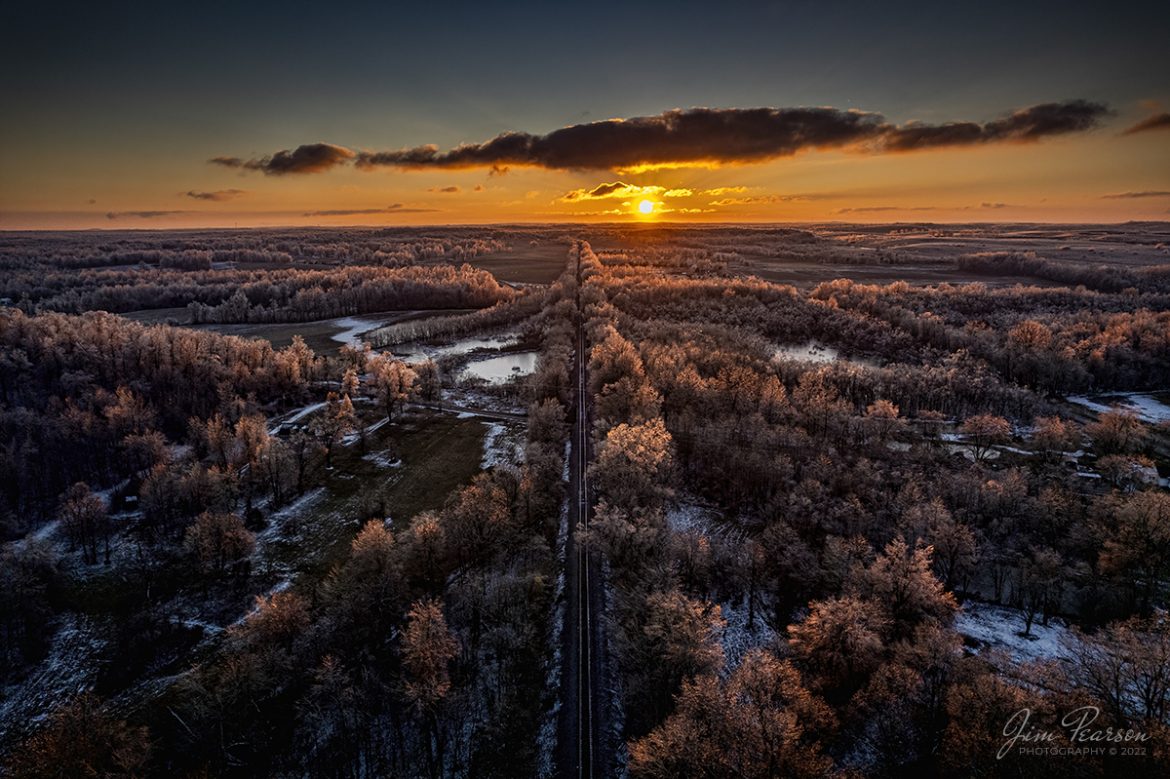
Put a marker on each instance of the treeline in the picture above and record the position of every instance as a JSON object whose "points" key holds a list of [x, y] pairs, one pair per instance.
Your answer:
{"points": [[280, 295], [1106, 278], [1055, 340], [846, 524], [302, 296], [197, 249], [523, 305], [79, 395]]}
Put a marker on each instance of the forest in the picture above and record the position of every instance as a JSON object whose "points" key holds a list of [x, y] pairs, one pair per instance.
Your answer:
{"points": [[856, 496]]}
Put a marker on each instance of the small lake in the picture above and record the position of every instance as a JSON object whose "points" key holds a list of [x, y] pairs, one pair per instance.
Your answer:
{"points": [[1149, 406], [415, 351], [498, 370]]}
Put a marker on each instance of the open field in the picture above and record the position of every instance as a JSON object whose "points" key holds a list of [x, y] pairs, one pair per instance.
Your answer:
{"points": [[325, 336], [539, 260], [410, 466]]}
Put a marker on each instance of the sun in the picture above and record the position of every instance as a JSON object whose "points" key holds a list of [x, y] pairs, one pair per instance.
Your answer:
{"points": [[646, 207]]}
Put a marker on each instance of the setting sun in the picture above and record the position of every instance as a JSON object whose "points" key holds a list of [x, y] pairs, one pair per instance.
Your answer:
{"points": [[646, 207]]}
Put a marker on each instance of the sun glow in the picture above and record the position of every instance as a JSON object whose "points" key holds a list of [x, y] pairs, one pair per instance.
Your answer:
{"points": [[646, 207]]}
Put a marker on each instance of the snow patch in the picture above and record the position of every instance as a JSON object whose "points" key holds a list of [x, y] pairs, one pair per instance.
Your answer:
{"points": [[999, 627], [739, 637], [501, 446], [352, 328], [383, 460], [1145, 405]]}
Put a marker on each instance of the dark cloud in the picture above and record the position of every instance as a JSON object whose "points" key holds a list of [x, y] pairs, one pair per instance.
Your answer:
{"points": [[993, 205], [397, 208], [1136, 195], [309, 158], [448, 190], [878, 209], [618, 189], [701, 135], [91, 201], [1155, 122], [142, 214], [698, 136], [217, 195], [1023, 126]]}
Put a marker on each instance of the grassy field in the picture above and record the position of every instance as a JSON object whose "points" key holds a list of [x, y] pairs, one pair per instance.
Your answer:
{"points": [[526, 264], [438, 453], [155, 316]]}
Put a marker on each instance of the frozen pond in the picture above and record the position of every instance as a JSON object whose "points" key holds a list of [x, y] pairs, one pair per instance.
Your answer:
{"points": [[414, 351], [354, 328], [497, 370], [1151, 407]]}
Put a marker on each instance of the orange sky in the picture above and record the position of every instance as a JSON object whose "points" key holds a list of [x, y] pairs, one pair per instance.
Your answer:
{"points": [[1064, 179], [112, 112]]}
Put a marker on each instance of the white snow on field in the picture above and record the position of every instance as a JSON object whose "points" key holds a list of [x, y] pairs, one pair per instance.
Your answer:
{"points": [[738, 637], [689, 516], [294, 417], [383, 460], [999, 627], [1147, 407], [502, 445], [349, 439], [353, 327], [277, 519], [69, 669]]}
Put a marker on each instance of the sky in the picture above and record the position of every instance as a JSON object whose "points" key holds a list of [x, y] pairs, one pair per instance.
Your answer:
{"points": [[160, 115]]}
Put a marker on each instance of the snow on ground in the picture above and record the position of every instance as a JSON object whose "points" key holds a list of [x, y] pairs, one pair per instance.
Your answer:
{"points": [[999, 627], [738, 637], [294, 417], [43, 533], [1147, 407], [382, 460], [349, 439], [471, 397], [70, 668], [689, 516], [502, 445], [353, 327], [412, 351], [547, 738], [277, 519]]}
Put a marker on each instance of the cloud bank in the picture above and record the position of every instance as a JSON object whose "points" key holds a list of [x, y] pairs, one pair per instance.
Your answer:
{"points": [[1155, 122], [141, 214], [1023, 126], [309, 158], [698, 136], [218, 195], [1136, 195], [397, 208], [616, 189]]}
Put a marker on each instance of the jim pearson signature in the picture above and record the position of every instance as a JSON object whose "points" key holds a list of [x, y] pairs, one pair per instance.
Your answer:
{"points": [[1078, 729]]}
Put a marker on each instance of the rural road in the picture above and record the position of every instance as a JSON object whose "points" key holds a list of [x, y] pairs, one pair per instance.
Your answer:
{"points": [[582, 749]]}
